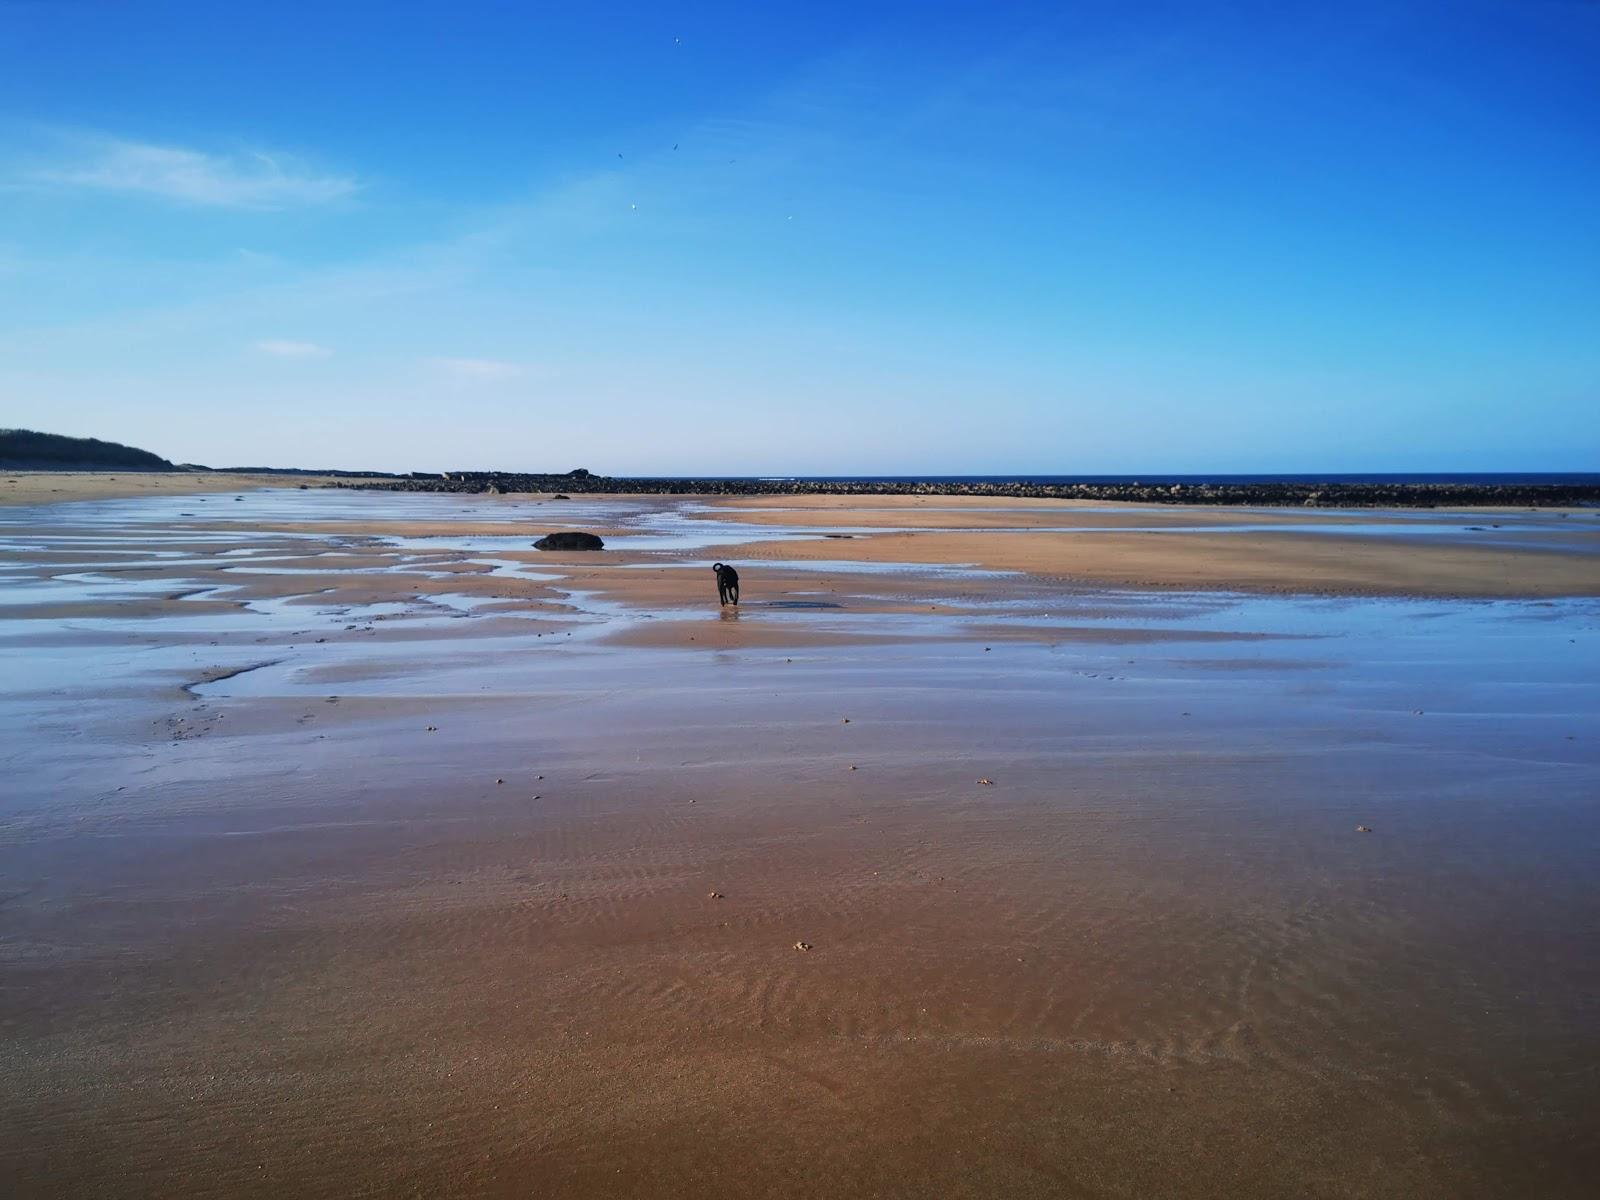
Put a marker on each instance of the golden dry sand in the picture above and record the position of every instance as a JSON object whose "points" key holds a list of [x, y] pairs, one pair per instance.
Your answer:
{"points": [[49, 487], [1285, 559], [1280, 562]]}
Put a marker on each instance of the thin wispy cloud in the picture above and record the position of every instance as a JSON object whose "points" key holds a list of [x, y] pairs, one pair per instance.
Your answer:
{"points": [[253, 180], [288, 348], [482, 369]]}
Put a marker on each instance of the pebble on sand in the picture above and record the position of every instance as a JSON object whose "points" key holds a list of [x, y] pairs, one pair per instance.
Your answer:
{"points": [[1362, 829], [802, 945], [986, 781]]}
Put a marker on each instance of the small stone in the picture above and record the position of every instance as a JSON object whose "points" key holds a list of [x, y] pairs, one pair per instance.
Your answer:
{"points": [[499, 780], [987, 782], [1362, 829], [852, 766], [802, 945], [716, 895], [844, 721]]}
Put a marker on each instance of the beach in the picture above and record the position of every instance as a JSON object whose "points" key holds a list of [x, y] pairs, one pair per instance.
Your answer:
{"points": [[352, 846]]}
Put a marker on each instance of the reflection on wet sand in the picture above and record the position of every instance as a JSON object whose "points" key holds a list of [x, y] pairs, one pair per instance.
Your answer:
{"points": [[340, 860]]}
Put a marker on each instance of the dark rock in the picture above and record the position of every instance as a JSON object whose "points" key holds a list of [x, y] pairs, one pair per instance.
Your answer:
{"points": [[569, 540]]}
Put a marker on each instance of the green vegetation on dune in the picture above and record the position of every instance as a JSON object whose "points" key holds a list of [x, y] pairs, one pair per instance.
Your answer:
{"points": [[26, 449]]}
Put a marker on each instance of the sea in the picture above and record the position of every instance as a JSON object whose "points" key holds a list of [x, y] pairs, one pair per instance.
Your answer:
{"points": [[1508, 478]]}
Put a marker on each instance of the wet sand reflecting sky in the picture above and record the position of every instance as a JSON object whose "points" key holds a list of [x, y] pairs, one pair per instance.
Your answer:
{"points": [[336, 863]]}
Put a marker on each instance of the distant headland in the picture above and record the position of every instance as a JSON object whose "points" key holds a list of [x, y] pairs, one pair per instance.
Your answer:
{"points": [[29, 450]]}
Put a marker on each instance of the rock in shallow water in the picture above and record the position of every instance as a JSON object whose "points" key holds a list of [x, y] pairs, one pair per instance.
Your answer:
{"points": [[569, 540]]}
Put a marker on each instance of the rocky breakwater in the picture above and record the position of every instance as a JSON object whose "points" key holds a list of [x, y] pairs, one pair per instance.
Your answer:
{"points": [[1256, 493]]}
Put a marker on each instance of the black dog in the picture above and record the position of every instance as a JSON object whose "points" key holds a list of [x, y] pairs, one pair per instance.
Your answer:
{"points": [[727, 584]]}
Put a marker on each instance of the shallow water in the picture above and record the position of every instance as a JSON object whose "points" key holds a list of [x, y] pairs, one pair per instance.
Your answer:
{"points": [[1543, 649]]}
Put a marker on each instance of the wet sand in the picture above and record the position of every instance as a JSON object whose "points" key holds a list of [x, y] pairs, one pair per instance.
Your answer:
{"points": [[272, 925]]}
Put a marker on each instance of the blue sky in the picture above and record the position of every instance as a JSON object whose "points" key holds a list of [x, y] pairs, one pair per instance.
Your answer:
{"points": [[748, 238]]}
